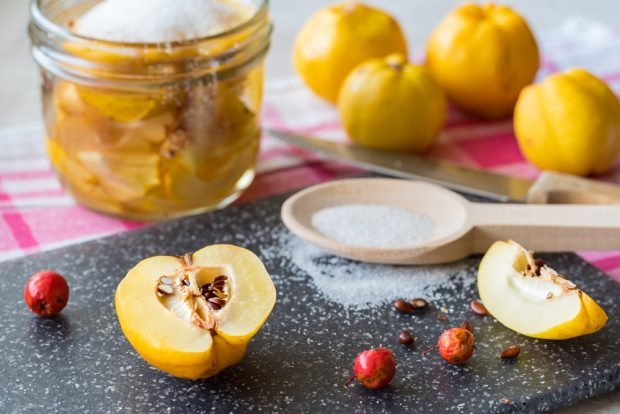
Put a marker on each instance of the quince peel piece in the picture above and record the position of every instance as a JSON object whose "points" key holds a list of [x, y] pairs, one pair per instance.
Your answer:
{"points": [[531, 298], [193, 316]]}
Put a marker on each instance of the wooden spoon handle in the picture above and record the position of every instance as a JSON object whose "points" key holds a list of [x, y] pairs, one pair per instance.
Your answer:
{"points": [[546, 227]]}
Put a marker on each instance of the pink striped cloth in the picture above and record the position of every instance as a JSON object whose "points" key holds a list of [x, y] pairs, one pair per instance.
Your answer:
{"points": [[36, 214]]}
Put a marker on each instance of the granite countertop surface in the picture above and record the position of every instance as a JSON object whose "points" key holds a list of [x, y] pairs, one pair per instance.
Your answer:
{"points": [[299, 362]]}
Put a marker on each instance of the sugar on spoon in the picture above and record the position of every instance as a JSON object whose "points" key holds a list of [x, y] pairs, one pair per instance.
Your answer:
{"points": [[460, 228]]}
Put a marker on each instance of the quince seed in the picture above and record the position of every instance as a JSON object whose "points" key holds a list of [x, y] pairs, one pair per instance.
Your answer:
{"points": [[165, 280], [165, 289]]}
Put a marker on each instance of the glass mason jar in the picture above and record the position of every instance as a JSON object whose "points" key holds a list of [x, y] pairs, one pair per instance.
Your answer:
{"points": [[150, 131]]}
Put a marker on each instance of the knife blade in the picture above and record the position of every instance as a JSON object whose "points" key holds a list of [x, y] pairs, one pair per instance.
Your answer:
{"points": [[468, 180]]}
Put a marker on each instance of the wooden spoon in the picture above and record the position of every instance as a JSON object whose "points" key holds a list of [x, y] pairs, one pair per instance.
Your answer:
{"points": [[460, 227]]}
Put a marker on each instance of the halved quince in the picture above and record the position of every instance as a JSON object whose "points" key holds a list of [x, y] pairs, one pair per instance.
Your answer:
{"points": [[531, 298], [193, 316]]}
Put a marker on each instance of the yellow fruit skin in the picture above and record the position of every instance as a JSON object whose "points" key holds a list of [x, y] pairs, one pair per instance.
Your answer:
{"points": [[338, 38], [482, 56], [590, 318], [569, 123], [188, 365], [164, 340], [392, 105]]}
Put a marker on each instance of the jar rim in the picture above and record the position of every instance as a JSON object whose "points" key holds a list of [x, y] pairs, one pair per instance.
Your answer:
{"points": [[45, 23]]}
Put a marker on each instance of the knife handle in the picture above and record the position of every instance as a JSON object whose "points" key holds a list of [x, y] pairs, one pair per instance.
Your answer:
{"points": [[557, 188]]}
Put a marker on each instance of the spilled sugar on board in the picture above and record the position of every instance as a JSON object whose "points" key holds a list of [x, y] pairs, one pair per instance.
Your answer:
{"points": [[359, 286]]}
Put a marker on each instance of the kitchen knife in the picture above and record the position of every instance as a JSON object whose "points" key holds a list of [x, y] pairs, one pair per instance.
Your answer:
{"points": [[548, 188]]}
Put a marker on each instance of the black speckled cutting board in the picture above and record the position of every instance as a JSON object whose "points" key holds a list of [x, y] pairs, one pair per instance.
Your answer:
{"points": [[80, 362]]}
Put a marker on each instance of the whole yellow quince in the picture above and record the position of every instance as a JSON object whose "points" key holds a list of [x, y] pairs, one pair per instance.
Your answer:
{"points": [[482, 56], [339, 37], [392, 105], [569, 123]]}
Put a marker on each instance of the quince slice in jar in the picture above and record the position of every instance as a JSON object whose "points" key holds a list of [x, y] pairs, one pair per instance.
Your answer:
{"points": [[227, 168], [80, 180], [125, 176], [92, 132], [214, 117], [120, 107], [142, 136], [215, 128], [101, 52], [76, 133], [153, 130], [182, 185], [67, 99], [194, 316]]}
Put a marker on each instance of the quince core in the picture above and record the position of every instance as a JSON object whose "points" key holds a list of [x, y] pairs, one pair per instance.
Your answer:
{"points": [[193, 316]]}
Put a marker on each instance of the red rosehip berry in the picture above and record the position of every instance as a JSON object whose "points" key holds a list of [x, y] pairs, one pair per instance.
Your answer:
{"points": [[46, 293], [375, 368], [456, 345]]}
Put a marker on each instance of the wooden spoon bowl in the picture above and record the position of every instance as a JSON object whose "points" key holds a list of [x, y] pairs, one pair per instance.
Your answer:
{"points": [[460, 227]]}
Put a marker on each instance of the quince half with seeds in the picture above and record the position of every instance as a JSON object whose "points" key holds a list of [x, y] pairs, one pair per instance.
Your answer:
{"points": [[531, 298], [193, 316]]}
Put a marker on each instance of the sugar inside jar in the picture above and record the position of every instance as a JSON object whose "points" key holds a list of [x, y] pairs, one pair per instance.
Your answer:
{"points": [[152, 108]]}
